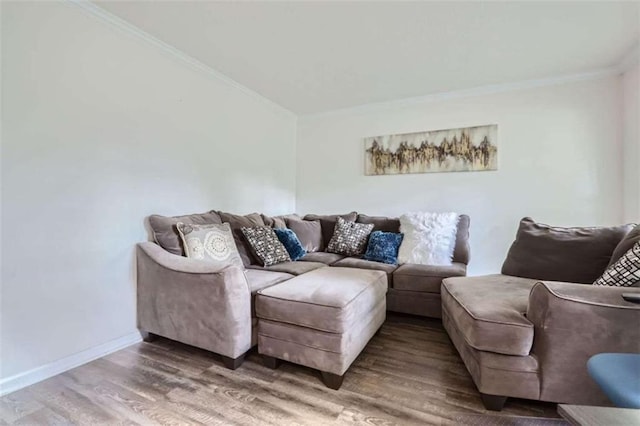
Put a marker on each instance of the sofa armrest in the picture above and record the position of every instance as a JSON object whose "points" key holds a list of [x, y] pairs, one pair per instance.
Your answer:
{"points": [[193, 302], [573, 322]]}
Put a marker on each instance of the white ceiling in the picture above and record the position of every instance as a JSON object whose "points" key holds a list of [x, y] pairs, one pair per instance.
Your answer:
{"points": [[318, 56]]}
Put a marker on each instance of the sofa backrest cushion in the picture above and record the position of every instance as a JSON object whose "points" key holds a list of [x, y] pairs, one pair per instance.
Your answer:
{"points": [[578, 255], [328, 223], [166, 234], [381, 223], [625, 245], [309, 232], [278, 221], [462, 251], [237, 222]]}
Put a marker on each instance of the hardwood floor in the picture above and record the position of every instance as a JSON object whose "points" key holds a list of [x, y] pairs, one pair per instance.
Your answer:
{"points": [[409, 373]]}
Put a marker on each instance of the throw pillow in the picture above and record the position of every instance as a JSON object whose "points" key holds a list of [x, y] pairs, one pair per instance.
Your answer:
{"points": [[328, 224], [291, 242], [383, 247], [349, 238], [625, 272], [553, 253], [213, 243], [266, 245], [166, 234], [309, 232], [237, 222], [429, 238]]}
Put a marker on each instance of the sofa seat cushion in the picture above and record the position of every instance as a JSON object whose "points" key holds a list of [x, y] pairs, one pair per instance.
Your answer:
{"points": [[489, 311], [356, 262], [259, 279], [322, 257], [293, 268], [425, 278], [327, 299]]}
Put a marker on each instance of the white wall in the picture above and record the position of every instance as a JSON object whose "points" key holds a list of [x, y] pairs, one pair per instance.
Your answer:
{"points": [[631, 143], [99, 130], [559, 162]]}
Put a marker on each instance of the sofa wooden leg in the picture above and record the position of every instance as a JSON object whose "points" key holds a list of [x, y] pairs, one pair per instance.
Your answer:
{"points": [[332, 381], [232, 363], [271, 362], [493, 402], [148, 337]]}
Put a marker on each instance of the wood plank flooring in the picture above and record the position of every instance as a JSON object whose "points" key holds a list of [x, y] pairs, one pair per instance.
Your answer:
{"points": [[410, 373]]}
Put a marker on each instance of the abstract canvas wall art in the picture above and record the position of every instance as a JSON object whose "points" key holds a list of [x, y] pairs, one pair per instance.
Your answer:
{"points": [[452, 150]]}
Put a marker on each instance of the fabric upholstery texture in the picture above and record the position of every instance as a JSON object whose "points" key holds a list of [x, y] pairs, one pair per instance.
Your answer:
{"points": [[279, 222], [322, 299], [383, 247], [323, 257], [573, 322], [265, 245], [328, 224], [290, 242], [293, 268], [212, 243], [414, 302], [309, 232], [355, 262], [349, 238], [237, 222], [625, 272], [312, 348], [381, 223], [259, 279], [625, 245], [425, 277], [193, 302], [546, 252], [496, 374], [165, 232], [489, 311], [429, 238]]}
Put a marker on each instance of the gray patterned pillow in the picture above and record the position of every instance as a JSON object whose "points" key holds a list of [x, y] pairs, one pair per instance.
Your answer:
{"points": [[625, 272], [266, 245], [213, 243], [349, 238]]}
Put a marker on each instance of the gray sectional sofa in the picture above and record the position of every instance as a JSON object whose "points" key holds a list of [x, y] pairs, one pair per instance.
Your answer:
{"points": [[218, 310], [529, 331]]}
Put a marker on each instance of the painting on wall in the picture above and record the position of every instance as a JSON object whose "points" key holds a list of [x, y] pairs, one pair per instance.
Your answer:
{"points": [[466, 149]]}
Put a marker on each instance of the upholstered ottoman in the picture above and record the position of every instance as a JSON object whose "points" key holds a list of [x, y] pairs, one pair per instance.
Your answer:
{"points": [[322, 319]]}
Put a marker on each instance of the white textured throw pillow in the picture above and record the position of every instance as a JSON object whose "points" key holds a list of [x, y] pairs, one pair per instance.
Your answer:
{"points": [[429, 238]]}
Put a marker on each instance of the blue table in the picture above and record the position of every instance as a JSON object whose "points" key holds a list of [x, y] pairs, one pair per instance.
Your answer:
{"points": [[618, 375]]}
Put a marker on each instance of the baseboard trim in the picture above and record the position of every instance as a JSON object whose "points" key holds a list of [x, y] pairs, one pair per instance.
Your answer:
{"points": [[27, 378]]}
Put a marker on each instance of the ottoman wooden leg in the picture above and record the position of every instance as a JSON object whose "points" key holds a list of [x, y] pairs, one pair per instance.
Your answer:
{"points": [[493, 402], [332, 381], [232, 363], [271, 362]]}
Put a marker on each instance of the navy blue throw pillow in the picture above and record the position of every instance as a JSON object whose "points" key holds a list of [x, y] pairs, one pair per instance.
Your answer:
{"points": [[290, 241], [383, 247]]}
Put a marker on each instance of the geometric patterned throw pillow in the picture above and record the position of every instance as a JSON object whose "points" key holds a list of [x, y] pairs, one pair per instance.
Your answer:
{"points": [[625, 272], [349, 238], [266, 245], [213, 243]]}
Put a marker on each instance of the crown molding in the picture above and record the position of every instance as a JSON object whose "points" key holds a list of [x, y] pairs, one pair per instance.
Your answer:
{"points": [[132, 30], [468, 93], [629, 60]]}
